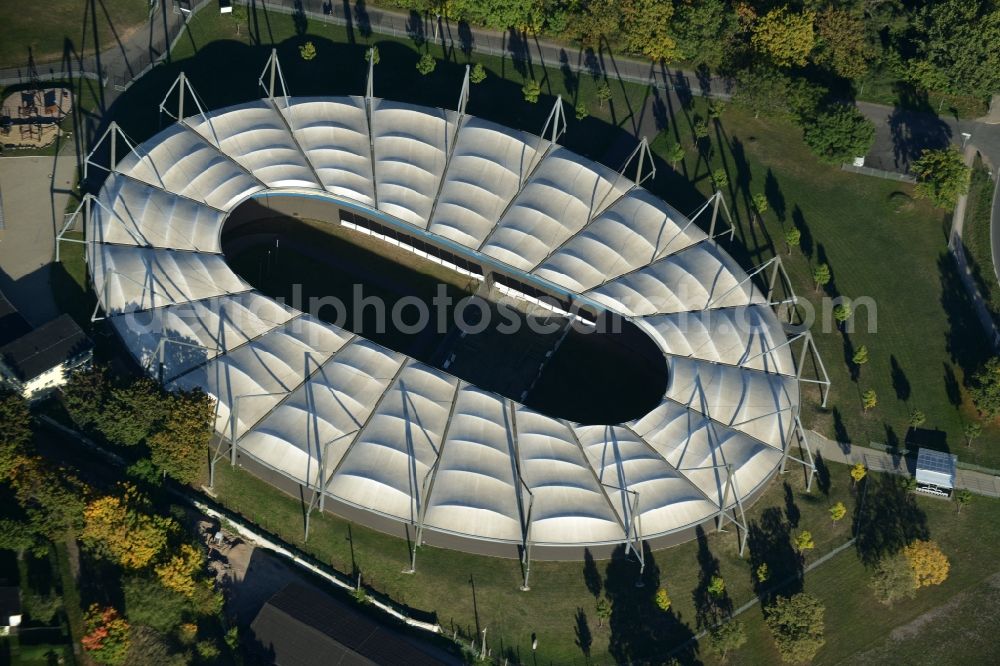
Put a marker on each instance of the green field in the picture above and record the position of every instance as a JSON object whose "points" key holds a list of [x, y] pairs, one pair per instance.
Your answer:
{"points": [[65, 28], [881, 243], [559, 591]]}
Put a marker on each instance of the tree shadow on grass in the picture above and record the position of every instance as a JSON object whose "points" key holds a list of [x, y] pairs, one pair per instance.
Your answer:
{"points": [[584, 638], [965, 340], [710, 607], [887, 518], [806, 242], [770, 543], [591, 576], [822, 474], [792, 512], [900, 384], [640, 631]]}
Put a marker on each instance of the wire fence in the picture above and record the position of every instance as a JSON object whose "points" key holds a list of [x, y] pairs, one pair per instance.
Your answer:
{"points": [[879, 173]]}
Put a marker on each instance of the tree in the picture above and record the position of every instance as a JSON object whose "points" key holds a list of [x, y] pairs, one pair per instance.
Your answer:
{"points": [[821, 276], [107, 637], [239, 15], [860, 355], [603, 92], [307, 51], [838, 511], [763, 90], [594, 20], [972, 431], [15, 432], [930, 565], [426, 64], [53, 498], [716, 586], [917, 418], [954, 47], [84, 395], [178, 572], [132, 412], [703, 31], [842, 312], [840, 42], [715, 109], [858, 472], [603, 611], [179, 448], [720, 179], [804, 541], [646, 28], [117, 528], [792, 238], [785, 37], [372, 55], [674, 155], [727, 637], [581, 110], [985, 390], [531, 90], [942, 176], [796, 623], [662, 599], [892, 579], [963, 498], [839, 133], [478, 73], [763, 573], [869, 400], [759, 204], [700, 129]]}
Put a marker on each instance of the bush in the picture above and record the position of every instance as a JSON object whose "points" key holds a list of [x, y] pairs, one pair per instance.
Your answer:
{"points": [[662, 599], [796, 623], [985, 388], [942, 176], [478, 73], [930, 565], [426, 64], [892, 580], [838, 134], [531, 90]]}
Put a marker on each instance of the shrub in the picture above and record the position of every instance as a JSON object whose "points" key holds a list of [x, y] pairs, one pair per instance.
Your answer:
{"points": [[307, 51], [892, 580], [839, 134], [426, 64], [930, 565], [796, 623], [478, 73], [662, 599], [531, 91]]}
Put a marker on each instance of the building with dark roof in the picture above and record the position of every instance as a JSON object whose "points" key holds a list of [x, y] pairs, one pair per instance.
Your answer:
{"points": [[301, 626], [12, 324], [41, 359]]}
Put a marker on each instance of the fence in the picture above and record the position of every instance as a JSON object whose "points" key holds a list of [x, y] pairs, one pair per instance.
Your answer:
{"points": [[879, 173]]}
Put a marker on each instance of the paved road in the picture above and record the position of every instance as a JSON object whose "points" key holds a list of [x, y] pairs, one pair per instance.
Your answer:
{"points": [[36, 191], [881, 461]]}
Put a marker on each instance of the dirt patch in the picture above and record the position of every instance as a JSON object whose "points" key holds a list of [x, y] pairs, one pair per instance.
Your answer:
{"points": [[916, 626]]}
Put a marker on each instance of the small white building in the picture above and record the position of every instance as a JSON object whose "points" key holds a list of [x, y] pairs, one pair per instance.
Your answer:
{"points": [[10, 610], [935, 472]]}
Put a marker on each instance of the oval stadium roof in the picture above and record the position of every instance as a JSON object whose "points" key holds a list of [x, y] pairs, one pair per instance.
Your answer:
{"points": [[398, 438]]}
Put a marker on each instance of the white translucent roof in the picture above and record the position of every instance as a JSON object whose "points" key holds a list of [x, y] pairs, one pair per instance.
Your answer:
{"points": [[411, 145], [181, 161], [486, 171], [387, 434], [130, 212], [333, 133], [700, 277], [563, 194], [255, 135]]}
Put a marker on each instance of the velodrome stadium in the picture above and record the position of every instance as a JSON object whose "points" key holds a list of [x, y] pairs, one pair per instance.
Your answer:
{"points": [[403, 445]]}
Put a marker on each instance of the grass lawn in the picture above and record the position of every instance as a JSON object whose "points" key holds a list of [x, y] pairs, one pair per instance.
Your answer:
{"points": [[560, 607], [65, 27], [976, 234], [881, 243]]}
